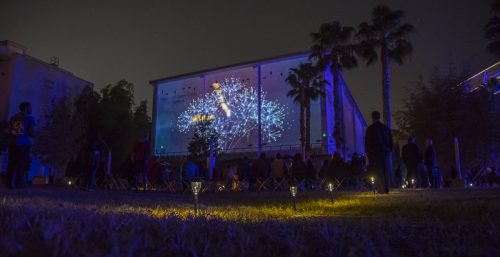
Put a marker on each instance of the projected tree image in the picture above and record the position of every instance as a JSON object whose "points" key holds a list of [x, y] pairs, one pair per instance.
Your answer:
{"points": [[232, 111]]}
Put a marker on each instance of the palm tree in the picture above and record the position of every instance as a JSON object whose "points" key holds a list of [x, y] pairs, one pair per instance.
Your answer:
{"points": [[493, 30], [333, 48], [387, 34], [307, 86]]}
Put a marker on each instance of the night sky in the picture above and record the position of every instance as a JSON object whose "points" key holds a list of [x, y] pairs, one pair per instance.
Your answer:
{"points": [[105, 41]]}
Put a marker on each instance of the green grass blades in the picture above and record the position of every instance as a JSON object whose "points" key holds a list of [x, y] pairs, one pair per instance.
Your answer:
{"points": [[68, 222]]}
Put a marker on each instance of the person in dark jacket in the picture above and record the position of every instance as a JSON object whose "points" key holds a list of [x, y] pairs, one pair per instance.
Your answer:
{"points": [[261, 168], [140, 158], [430, 164], [298, 169], [244, 169], [323, 172], [412, 159], [95, 157], [378, 147], [336, 167], [311, 173]]}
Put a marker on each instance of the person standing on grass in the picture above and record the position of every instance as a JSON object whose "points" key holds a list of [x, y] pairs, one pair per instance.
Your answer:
{"points": [[430, 165], [378, 146], [190, 170], [310, 173], [336, 167], [155, 171], [140, 157], [298, 170], [412, 159], [323, 171], [244, 169], [21, 134], [278, 168], [95, 162], [260, 168]]}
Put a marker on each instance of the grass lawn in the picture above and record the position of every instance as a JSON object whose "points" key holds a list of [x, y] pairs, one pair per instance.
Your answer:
{"points": [[69, 222]]}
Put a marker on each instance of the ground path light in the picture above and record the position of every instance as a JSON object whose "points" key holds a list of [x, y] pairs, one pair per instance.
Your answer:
{"points": [[293, 191], [330, 188], [196, 187], [372, 179]]}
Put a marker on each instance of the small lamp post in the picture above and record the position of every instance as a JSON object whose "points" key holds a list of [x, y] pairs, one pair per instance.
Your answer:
{"points": [[413, 183], [293, 191], [330, 188], [196, 187], [372, 180]]}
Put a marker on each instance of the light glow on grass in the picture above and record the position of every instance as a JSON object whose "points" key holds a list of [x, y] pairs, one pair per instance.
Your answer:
{"points": [[235, 224]]}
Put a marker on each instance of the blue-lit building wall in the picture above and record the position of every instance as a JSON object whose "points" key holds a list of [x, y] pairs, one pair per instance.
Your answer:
{"points": [[24, 78], [173, 95]]}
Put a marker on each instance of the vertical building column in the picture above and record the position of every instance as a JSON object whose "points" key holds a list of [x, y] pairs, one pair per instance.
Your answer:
{"points": [[355, 130], [155, 121], [259, 111]]}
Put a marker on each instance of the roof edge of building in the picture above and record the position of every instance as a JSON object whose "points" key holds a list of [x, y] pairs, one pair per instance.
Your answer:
{"points": [[229, 67], [53, 66]]}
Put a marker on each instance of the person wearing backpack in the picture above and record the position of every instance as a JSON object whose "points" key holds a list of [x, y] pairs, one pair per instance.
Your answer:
{"points": [[21, 134]]}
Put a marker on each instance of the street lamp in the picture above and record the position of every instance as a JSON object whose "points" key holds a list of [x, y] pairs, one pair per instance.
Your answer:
{"points": [[330, 188], [372, 179], [196, 187], [412, 183], [293, 191]]}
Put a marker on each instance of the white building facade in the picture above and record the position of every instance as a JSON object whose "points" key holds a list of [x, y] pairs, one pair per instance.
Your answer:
{"points": [[173, 95]]}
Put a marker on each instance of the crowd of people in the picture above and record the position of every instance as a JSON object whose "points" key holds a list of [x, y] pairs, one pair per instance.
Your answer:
{"points": [[417, 169], [253, 172], [422, 171]]}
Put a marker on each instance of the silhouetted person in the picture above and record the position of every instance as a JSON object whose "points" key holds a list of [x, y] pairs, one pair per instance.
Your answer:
{"points": [[298, 168], [378, 146], [412, 159], [140, 157], [323, 172], [310, 173], [155, 169], [260, 168], [21, 134], [190, 170], [430, 164], [278, 168], [244, 169], [94, 161], [336, 167]]}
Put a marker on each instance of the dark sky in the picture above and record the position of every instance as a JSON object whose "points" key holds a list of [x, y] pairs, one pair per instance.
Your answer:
{"points": [[104, 41]]}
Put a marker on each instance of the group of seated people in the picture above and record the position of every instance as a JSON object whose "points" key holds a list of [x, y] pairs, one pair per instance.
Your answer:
{"points": [[259, 174]]}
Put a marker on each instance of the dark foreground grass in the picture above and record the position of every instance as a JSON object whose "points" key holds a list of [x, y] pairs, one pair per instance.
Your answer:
{"points": [[68, 222]]}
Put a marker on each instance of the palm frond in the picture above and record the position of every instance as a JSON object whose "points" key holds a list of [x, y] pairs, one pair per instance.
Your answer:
{"points": [[401, 49]]}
